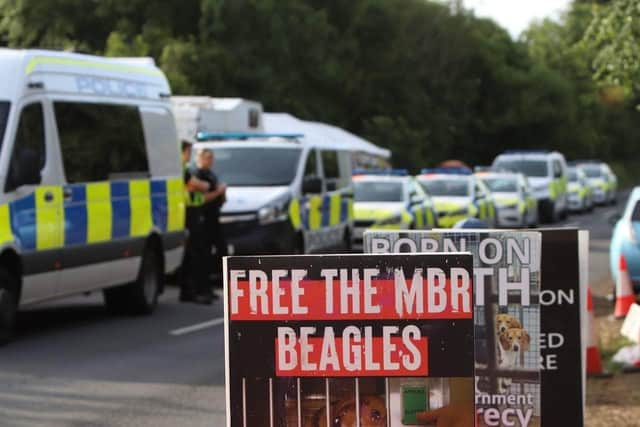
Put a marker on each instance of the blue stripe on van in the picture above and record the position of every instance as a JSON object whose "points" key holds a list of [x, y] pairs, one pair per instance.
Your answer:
{"points": [[159, 204], [75, 216], [344, 210], [121, 210], [23, 221], [326, 210]]}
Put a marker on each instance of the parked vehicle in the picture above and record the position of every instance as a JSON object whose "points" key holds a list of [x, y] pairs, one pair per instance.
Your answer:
{"points": [[390, 199], [547, 175], [515, 204], [92, 193], [286, 193], [603, 182], [580, 192], [458, 194], [624, 241]]}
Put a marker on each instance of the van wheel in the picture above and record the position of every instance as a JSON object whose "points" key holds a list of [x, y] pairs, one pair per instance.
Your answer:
{"points": [[139, 297], [8, 305]]}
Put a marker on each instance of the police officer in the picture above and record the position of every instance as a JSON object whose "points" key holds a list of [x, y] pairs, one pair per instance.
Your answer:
{"points": [[193, 277], [216, 244]]}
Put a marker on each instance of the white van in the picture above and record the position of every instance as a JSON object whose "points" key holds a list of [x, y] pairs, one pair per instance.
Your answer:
{"points": [[92, 192], [547, 174], [285, 193]]}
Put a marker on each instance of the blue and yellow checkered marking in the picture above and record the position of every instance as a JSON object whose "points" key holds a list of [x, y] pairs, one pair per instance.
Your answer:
{"points": [[315, 212], [55, 216]]}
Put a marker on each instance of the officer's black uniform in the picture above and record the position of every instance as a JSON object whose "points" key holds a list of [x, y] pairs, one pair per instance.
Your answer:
{"points": [[213, 231], [194, 283]]}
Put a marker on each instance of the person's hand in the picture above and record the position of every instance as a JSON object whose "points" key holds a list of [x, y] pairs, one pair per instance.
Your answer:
{"points": [[456, 415]]}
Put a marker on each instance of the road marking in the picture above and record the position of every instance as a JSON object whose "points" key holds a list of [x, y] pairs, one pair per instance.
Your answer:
{"points": [[197, 327]]}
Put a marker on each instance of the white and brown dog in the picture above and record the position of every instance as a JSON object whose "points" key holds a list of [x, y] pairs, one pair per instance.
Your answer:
{"points": [[513, 340]]}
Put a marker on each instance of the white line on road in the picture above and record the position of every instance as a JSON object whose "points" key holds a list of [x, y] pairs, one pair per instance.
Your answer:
{"points": [[197, 327]]}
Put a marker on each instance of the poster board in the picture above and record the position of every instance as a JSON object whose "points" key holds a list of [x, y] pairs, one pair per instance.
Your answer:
{"points": [[372, 338]]}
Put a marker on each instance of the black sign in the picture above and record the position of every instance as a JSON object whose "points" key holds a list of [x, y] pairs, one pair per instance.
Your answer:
{"points": [[560, 340], [315, 339]]}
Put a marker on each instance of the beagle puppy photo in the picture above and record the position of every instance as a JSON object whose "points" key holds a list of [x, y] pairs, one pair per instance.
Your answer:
{"points": [[513, 340], [373, 413]]}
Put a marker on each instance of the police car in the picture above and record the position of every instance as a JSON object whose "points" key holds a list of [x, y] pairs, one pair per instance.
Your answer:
{"points": [[601, 179], [580, 192], [390, 199], [515, 205], [92, 189], [547, 175], [457, 194], [286, 193]]}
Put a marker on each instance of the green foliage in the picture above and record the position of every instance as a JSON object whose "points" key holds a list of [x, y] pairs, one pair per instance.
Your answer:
{"points": [[614, 34], [408, 74]]}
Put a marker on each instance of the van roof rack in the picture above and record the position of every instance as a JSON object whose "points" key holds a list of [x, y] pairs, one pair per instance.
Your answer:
{"points": [[446, 171], [388, 172], [221, 136]]}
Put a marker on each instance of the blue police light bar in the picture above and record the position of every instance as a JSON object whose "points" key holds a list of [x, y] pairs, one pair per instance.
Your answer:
{"points": [[390, 172], [532, 151], [213, 136], [446, 171]]}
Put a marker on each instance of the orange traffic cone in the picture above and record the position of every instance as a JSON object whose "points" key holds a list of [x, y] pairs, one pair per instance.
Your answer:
{"points": [[624, 290], [594, 363]]}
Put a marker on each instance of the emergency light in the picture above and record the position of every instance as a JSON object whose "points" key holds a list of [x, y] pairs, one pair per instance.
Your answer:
{"points": [[213, 136], [390, 172], [446, 171]]}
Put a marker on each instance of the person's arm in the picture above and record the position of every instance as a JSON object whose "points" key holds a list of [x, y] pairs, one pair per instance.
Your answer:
{"points": [[218, 192], [195, 184]]}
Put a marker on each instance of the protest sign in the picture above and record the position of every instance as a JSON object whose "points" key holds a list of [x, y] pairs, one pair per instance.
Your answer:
{"points": [[507, 314], [314, 339], [562, 343]]}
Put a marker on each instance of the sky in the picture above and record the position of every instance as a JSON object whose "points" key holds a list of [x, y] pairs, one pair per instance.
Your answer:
{"points": [[515, 15]]}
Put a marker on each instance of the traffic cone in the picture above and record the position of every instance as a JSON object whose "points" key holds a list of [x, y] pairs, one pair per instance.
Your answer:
{"points": [[624, 291], [594, 363]]}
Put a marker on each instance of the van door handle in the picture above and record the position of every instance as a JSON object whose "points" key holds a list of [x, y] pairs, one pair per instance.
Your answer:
{"points": [[67, 194], [48, 197]]}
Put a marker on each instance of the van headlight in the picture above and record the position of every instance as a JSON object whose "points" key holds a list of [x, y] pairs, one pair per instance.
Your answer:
{"points": [[274, 212]]}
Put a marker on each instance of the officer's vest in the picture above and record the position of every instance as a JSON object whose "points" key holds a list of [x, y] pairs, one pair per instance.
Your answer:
{"points": [[192, 199]]}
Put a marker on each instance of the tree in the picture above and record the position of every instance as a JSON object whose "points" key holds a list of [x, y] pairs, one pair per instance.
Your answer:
{"points": [[614, 34]]}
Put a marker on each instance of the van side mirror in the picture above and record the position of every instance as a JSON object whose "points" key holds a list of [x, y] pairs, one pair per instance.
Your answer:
{"points": [[311, 185]]}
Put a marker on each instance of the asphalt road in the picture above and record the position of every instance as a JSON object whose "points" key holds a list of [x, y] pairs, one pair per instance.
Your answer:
{"points": [[72, 364]]}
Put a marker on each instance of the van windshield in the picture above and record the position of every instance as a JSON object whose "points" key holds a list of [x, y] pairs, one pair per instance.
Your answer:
{"points": [[372, 191], [534, 168], [592, 171], [4, 114], [256, 167], [502, 185], [446, 187]]}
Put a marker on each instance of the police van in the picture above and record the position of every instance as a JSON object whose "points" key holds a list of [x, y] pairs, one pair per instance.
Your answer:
{"points": [[286, 193], [547, 175], [92, 193]]}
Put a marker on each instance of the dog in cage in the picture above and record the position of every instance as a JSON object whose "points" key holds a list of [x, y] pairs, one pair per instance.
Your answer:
{"points": [[373, 413], [513, 340]]}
